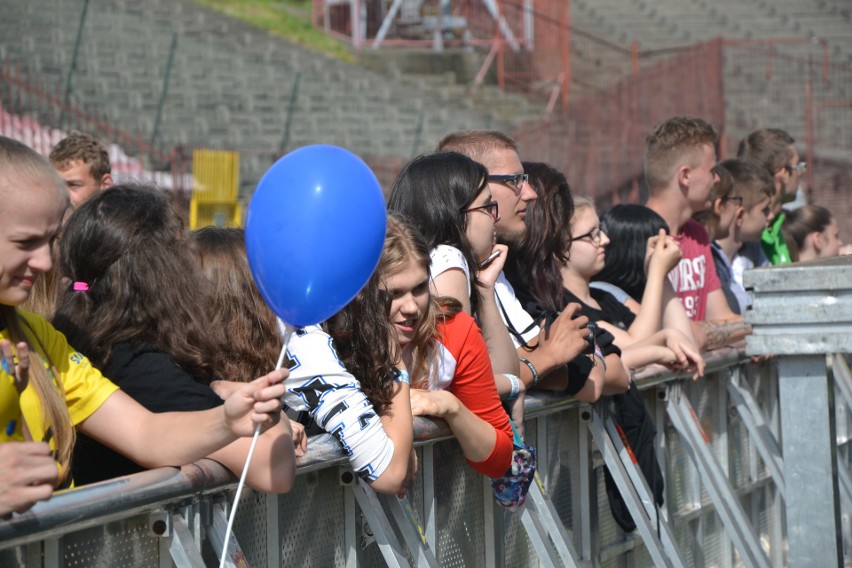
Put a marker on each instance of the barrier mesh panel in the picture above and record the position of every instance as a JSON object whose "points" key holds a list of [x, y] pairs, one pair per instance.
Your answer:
{"points": [[713, 541], [740, 448], [114, 545], [563, 471], [685, 537], [26, 555], [608, 532], [681, 477], [310, 521], [370, 555], [763, 502], [460, 518], [703, 402], [250, 527]]}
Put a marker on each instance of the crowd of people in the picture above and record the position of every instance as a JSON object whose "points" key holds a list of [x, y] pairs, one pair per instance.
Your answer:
{"points": [[119, 329]]}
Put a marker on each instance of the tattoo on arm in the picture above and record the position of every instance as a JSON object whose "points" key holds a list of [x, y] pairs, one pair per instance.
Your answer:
{"points": [[721, 333]]}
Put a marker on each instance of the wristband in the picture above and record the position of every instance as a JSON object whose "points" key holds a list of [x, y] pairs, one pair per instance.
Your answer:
{"points": [[533, 370], [516, 386], [402, 376], [599, 354]]}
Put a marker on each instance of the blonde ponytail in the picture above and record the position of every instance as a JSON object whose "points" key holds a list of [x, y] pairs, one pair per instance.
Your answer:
{"points": [[50, 391]]}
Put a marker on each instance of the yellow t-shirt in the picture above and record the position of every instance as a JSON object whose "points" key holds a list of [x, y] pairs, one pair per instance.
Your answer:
{"points": [[85, 388]]}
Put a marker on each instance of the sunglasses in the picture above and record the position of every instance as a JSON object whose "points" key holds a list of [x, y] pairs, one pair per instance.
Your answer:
{"points": [[514, 180], [490, 208]]}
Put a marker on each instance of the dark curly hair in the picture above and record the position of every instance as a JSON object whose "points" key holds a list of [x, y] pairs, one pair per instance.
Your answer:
{"points": [[125, 244]]}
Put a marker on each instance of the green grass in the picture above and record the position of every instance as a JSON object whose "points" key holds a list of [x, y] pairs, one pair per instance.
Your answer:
{"points": [[289, 19]]}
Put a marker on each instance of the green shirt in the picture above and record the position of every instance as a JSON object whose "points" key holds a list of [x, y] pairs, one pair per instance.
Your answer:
{"points": [[773, 243]]}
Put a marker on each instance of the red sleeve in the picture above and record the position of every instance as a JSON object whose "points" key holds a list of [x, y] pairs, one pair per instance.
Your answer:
{"points": [[473, 384]]}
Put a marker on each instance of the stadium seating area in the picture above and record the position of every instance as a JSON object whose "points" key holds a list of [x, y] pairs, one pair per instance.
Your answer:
{"points": [[231, 86]]}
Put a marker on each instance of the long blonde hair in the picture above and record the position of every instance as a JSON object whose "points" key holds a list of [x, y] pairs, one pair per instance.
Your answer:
{"points": [[403, 244], [19, 162]]}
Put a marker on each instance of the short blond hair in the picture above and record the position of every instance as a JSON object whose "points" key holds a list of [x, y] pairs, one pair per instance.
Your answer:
{"points": [[673, 142]]}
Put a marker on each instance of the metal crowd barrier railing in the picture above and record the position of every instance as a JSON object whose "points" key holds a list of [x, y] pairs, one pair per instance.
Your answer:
{"points": [[730, 500], [170, 516]]}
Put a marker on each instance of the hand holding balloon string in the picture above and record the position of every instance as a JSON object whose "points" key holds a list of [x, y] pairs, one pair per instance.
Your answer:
{"points": [[309, 253]]}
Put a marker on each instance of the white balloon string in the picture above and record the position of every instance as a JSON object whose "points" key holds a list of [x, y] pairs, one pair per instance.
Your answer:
{"points": [[287, 333]]}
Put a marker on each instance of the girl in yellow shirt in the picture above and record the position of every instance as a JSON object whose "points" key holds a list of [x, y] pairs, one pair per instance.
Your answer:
{"points": [[47, 389]]}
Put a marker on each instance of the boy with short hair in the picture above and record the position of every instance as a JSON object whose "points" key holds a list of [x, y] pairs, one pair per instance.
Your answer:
{"points": [[755, 186], [84, 164], [774, 150]]}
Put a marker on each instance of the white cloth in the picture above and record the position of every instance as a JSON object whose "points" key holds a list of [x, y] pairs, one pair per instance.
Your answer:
{"points": [[445, 257], [511, 308], [749, 256], [321, 385]]}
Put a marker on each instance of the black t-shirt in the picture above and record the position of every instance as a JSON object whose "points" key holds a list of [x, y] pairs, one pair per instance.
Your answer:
{"points": [[579, 367], [612, 311], [155, 381]]}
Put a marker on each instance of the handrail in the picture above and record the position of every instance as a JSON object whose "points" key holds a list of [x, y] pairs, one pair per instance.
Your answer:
{"points": [[87, 506]]}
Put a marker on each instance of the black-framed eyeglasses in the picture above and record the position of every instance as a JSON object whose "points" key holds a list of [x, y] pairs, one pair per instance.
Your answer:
{"points": [[594, 235], [801, 167], [515, 180], [738, 199], [491, 208]]}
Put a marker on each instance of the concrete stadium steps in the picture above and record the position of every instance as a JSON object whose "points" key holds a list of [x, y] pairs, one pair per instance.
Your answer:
{"points": [[751, 99], [231, 84], [665, 23]]}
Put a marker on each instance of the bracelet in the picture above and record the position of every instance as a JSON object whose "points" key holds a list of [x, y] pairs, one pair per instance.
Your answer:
{"points": [[599, 354], [402, 376], [533, 370], [516, 386]]}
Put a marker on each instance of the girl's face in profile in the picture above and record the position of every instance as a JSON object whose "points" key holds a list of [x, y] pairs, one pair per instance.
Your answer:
{"points": [[588, 243], [830, 238], [481, 216], [29, 220], [409, 291]]}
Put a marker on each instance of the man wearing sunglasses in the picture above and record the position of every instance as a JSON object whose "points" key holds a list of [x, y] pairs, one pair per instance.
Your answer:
{"points": [[774, 150], [567, 337]]}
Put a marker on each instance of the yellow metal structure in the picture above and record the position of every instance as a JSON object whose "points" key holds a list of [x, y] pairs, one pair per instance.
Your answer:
{"points": [[214, 200]]}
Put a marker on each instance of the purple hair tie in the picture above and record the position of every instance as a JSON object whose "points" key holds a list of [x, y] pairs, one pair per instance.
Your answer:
{"points": [[81, 287]]}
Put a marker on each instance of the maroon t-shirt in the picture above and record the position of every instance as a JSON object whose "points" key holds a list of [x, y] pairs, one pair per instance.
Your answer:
{"points": [[695, 275]]}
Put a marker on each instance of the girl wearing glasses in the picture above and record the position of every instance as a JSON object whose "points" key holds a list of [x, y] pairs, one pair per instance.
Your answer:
{"points": [[446, 197], [430, 344], [639, 337], [631, 230]]}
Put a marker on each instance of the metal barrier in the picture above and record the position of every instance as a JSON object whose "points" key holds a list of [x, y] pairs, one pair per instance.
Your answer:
{"points": [[802, 312], [168, 517]]}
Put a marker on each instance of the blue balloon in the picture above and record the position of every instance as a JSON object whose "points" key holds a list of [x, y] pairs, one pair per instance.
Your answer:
{"points": [[314, 232]]}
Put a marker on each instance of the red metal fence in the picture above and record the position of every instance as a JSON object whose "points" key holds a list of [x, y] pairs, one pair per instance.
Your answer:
{"points": [[602, 98]]}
